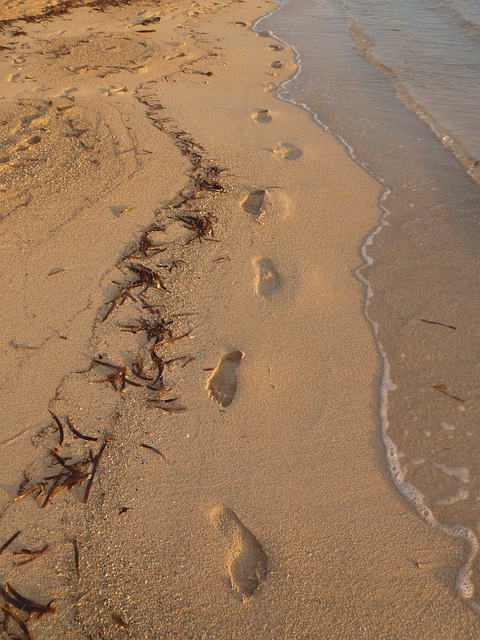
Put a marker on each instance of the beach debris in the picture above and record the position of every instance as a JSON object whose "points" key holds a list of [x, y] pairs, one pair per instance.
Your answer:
{"points": [[170, 267], [38, 488], [9, 613], [77, 467], [6, 544], [70, 475], [118, 300], [77, 433], [71, 427], [201, 226], [157, 329], [17, 600], [76, 554], [61, 433], [154, 449], [95, 461], [442, 388], [441, 324], [29, 555], [146, 247], [138, 368], [206, 177], [146, 277], [118, 377]]}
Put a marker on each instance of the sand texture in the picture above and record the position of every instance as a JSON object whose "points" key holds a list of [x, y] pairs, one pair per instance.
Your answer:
{"points": [[190, 437]]}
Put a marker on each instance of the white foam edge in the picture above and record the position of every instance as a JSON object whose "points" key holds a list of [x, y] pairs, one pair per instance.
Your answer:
{"points": [[464, 583]]}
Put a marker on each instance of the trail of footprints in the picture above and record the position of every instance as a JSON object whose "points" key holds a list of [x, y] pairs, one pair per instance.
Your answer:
{"points": [[246, 560]]}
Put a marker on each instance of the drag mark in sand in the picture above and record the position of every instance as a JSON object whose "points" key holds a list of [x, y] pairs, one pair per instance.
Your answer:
{"points": [[222, 384], [246, 559], [267, 280]]}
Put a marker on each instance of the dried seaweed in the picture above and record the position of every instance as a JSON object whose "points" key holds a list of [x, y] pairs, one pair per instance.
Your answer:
{"points": [[29, 555], [17, 600], [154, 449], [443, 389], [440, 324], [6, 544]]}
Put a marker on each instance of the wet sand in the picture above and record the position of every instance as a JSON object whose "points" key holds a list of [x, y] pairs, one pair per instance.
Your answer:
{"points": [[179, 250]]}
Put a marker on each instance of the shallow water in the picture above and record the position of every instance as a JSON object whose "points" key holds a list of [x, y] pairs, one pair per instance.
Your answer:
{"points": [[397, 83]]}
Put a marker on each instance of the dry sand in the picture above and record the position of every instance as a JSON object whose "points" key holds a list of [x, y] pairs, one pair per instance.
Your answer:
{"points": [[166, 215]]}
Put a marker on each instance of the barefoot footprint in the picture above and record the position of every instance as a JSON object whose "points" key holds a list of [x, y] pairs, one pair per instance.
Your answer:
{"points": [[275, 47], [255, 203], [246, 559], [262, 115], [287, 151], [222, 384], [270, 87], [267, 280]]}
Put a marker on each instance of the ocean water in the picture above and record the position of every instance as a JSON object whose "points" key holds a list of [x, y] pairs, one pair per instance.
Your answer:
{"points": [[399, 84]]}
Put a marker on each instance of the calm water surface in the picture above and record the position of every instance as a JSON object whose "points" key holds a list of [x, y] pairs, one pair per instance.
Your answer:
{"points": [[399, 84]]}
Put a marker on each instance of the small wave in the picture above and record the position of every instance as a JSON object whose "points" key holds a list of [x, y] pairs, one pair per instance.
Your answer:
{"points": [[363, 45], [456, 18]]}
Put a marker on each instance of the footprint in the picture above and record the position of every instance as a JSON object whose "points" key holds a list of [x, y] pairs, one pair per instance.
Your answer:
{"points": [[262, 115], [222, 384], [287, 151], [267, 280], [277, 64], [255, 203], [270, 87], [275, 47], [246, 559]]}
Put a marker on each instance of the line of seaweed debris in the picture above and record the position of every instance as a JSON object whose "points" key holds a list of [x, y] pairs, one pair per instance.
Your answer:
{"points": [[71, 472], [48, 13]]}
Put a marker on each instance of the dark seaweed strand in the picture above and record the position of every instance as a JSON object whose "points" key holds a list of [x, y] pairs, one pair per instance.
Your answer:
{"points": [[6, 544]]}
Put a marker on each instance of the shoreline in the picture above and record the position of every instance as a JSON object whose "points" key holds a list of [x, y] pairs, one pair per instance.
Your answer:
{"points": [[415, 202], [262, 515]]}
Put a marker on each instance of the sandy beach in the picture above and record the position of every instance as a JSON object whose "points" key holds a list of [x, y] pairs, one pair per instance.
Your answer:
{"points": [[191, 437]]}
